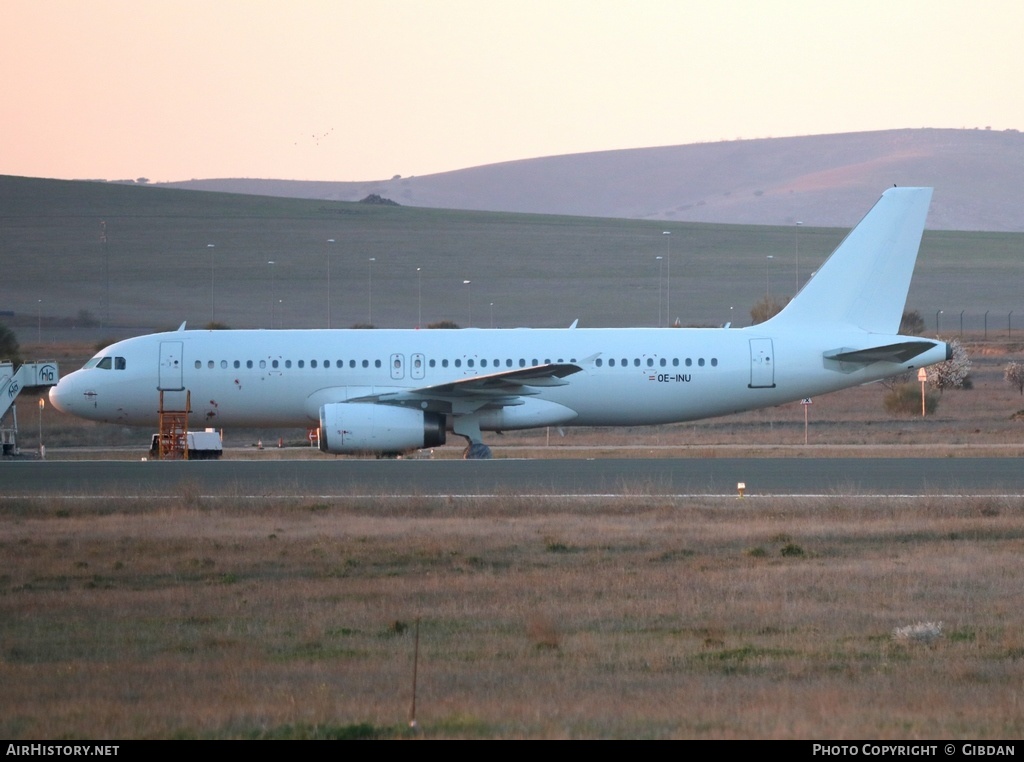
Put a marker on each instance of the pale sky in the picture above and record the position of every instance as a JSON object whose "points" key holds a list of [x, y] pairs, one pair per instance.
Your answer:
{"points": [[367, 89]]}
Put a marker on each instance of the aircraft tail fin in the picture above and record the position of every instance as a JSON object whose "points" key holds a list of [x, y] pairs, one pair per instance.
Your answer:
{"points": [[864, 282]]}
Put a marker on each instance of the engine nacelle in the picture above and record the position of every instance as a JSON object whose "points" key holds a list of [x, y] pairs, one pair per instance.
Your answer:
{"points": [[351, 427]]}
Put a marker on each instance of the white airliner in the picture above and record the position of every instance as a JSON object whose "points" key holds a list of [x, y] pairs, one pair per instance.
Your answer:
{"points": [[391, 391]]}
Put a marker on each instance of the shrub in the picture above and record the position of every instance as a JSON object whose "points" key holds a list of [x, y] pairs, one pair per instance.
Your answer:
{"points": [[9, 345], [911, 324], [906, 400], [765, 309]]}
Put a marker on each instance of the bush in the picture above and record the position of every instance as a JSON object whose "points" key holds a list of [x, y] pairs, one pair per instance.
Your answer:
{"points": [[765, 309], [9, 345], [906, 400], [912, 324]]}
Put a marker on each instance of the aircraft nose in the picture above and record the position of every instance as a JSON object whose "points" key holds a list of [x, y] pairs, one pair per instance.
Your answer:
{"points": [[60, 396]]}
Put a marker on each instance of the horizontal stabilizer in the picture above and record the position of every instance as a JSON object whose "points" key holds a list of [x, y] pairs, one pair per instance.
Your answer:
{"points": [[900, 352]]}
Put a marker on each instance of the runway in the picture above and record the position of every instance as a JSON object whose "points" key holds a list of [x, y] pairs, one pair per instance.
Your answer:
{"points": [[341, 478]]}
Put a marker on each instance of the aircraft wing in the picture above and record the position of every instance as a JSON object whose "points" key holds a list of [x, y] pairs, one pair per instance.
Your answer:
{"points": [[494, 389], [898, 353]]}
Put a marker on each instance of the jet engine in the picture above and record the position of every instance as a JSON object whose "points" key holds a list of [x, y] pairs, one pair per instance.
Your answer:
{"points": [[352, 427]]}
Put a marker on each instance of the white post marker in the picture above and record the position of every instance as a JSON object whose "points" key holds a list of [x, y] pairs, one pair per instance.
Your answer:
{"points": [[922, 376], [806, 402]]}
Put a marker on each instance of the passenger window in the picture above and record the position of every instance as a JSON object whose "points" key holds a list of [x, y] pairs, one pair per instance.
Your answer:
{"points": [[312, 363], [700, 362], [522, 362], [636, 361], [351, 363], [714, 362], [650, 362], [483, 363], [366, 363], [444, 363], [198, 365], [458, 363], [432, 363], [611, 362], [238, 364], [376, 363], [209, 364], [663, 362], [287, 363], [675, 362], [223, 364], [508, 363], [689, 362], [263, 363], [469, 363], [248, 363], [274, 363], [302, 363]]}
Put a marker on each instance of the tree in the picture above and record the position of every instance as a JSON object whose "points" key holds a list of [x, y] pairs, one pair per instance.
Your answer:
{"points": [[9, 345], [1014, 375], [952, 373], [765, 309], [443, 324]]}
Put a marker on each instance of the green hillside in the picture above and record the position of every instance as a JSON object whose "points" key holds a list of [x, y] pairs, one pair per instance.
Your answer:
{"points": [[155, 267]]}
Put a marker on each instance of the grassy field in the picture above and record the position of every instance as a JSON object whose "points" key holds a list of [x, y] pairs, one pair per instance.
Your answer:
{"points": [[155, 267], [642, 616]]}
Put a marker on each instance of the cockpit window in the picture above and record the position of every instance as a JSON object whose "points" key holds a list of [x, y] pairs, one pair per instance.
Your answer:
{"points": [[106, 363]]}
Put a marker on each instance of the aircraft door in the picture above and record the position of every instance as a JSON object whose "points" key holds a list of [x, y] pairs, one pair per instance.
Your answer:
{"points": [[762, 364], [170, 376], [418, 367], [397, 367]]}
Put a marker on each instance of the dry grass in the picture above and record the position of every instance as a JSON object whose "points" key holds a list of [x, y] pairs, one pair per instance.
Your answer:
{"points": [[631, 617]]}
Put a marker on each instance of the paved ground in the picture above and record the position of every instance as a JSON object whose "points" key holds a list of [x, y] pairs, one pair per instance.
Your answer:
{"points": [[776, 476]]}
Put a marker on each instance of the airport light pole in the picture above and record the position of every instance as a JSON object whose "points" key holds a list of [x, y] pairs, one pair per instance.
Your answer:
{"points": [[469, 300], [213, 314], [661, 268], [369, 290], [39, 321], [668, 277], [937, 313], [273, 294], [767, 278], [327, 256], [419, 297], [796, 288]]}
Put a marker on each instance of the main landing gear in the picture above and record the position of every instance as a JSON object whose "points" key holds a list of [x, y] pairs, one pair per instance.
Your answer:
{"points": [[468, 426], [476, 451]]}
